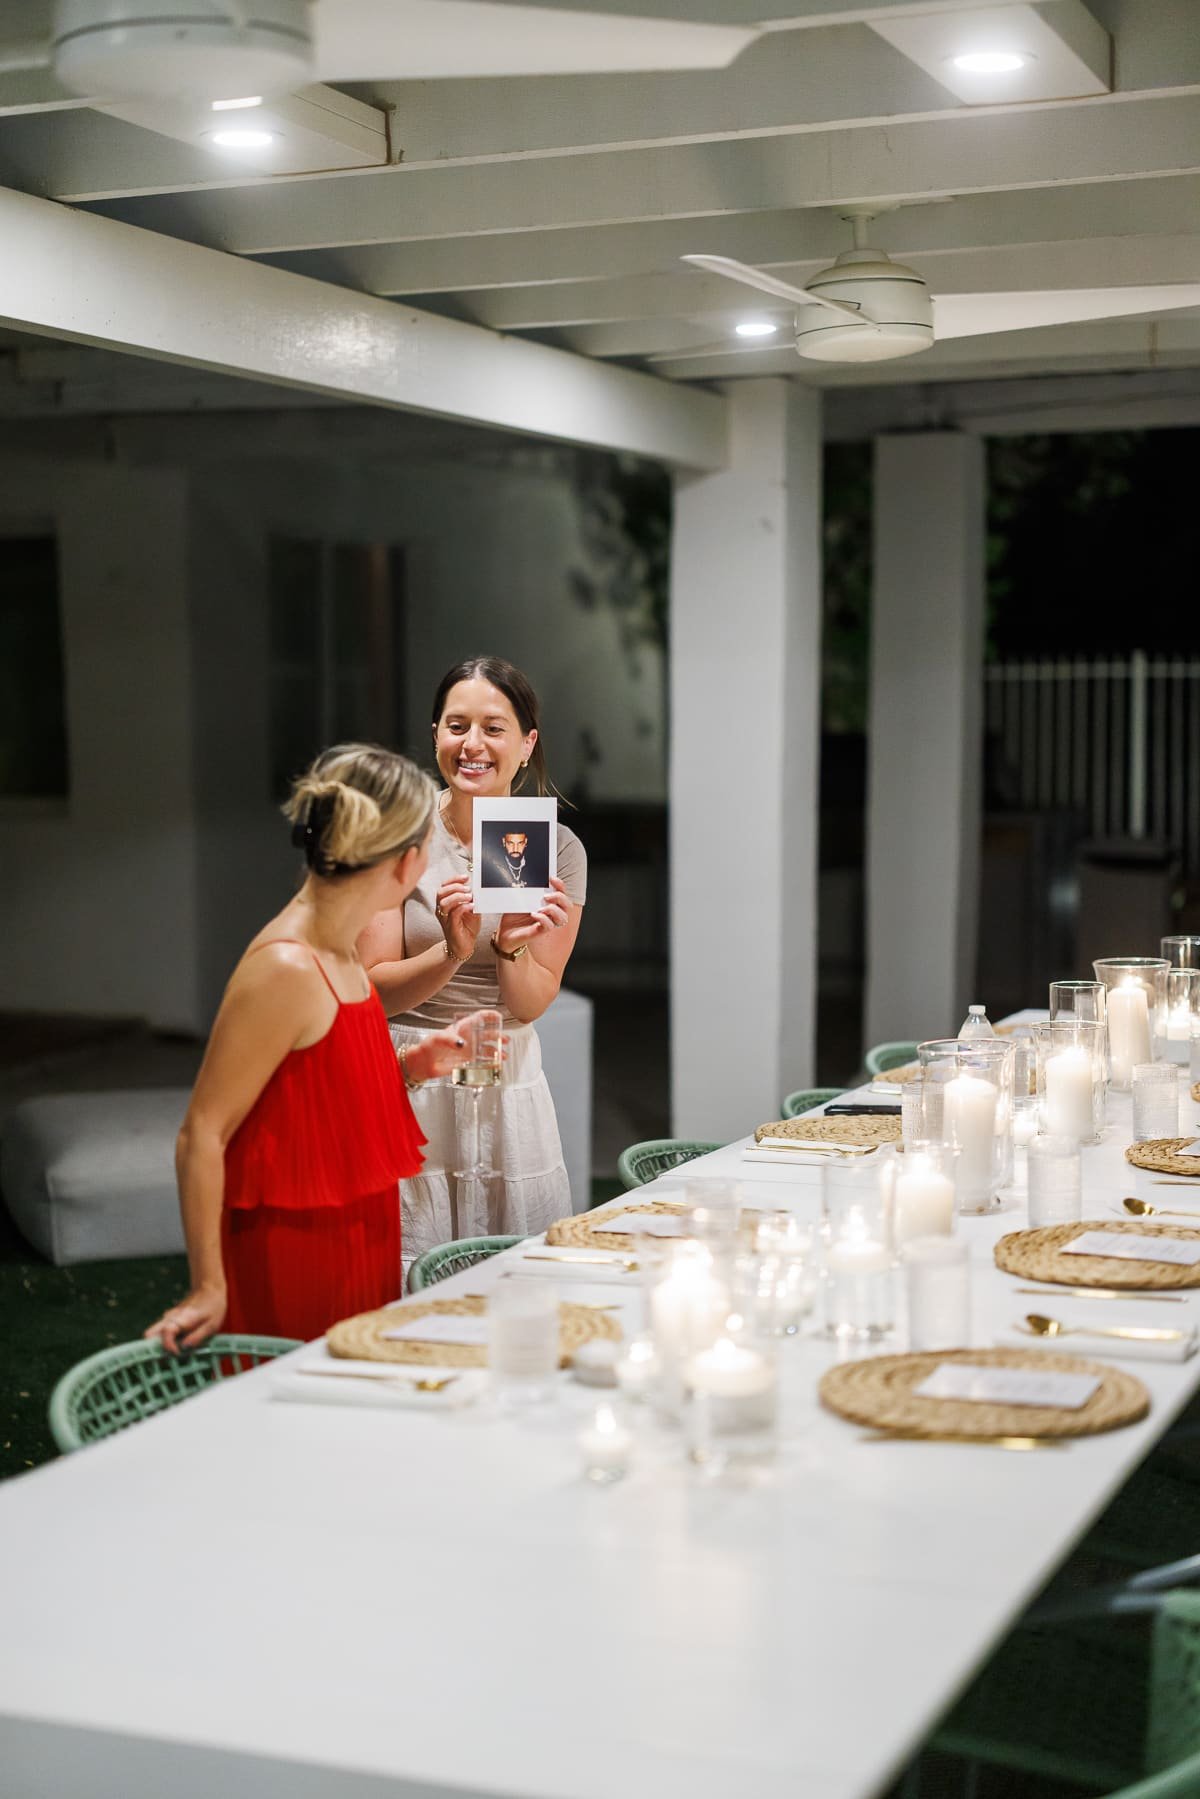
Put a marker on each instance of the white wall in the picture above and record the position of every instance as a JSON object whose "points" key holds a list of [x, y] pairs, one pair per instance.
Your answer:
{"points": [[97, 904]]}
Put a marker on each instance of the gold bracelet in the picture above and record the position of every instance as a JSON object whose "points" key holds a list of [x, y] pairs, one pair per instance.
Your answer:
{"points": [[402, 1058], [450, 955]]}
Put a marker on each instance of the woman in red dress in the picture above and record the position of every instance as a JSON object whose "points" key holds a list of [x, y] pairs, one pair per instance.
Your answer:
{"points": [[299, 1127]]}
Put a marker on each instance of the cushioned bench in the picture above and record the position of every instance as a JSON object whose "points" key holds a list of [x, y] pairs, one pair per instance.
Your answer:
{"points": [[89, 1177]]}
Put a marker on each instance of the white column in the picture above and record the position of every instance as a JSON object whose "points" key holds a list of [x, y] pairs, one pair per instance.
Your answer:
{"points": [[925, 734], [745, 739]]}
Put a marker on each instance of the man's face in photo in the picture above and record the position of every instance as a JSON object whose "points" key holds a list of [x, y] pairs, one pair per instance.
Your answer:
{"points": [[514, 844]]}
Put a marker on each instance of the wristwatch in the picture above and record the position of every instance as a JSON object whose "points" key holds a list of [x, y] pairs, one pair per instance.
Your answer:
{"points": [[509, 955]]}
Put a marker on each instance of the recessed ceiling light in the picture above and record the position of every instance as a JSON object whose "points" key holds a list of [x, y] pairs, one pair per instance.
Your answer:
{"points": [[990, 62], [237, 105], [756, 328], [242, 139]]}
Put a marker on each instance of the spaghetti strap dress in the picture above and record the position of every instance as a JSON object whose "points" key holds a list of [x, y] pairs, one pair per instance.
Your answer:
{"points": [[310, 1230]]}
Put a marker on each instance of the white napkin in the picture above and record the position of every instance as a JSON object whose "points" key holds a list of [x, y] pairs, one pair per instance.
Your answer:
{"points": [[1082, 1341], [291, 1382]]}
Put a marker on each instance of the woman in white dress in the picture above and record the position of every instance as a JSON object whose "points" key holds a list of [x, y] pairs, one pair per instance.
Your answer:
{"points": [[431, 961]]}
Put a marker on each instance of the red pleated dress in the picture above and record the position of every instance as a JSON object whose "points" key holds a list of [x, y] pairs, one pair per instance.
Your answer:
{"points": [[310, 1230]]}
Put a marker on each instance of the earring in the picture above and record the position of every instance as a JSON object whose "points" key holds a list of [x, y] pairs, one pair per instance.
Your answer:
{"points": [[525, 764]]}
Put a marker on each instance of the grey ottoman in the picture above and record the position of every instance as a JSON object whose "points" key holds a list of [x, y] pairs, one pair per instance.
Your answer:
{"points": [[89, 1177]]}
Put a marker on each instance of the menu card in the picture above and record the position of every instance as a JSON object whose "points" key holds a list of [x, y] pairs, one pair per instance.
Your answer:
{"points": [[1128, 1248], [441, 1327], [1007, 1386], [1189, 1149]]}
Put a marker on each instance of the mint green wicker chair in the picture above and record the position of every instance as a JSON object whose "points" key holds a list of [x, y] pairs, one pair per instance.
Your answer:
{"points": [[807, 1097], [889, 1055], [120, 1386], [451, 1258], [643, 1162]]}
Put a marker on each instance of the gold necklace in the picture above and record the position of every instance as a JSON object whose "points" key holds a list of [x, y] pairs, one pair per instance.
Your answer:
{"points": [[444, 815]]}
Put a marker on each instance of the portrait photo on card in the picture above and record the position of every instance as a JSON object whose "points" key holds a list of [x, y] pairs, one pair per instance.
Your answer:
{"points": [[514, 852]]}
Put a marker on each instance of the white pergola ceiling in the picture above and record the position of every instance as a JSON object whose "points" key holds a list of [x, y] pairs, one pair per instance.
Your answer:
{"points": [[558, 206]]}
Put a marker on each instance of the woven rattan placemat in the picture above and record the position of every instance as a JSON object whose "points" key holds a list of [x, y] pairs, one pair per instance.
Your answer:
{"points": [[1161, 1155], [1037, 1256], [879, 1392], [587, 1230], [856, 1131], [362, 1337], [1196, 1093]]}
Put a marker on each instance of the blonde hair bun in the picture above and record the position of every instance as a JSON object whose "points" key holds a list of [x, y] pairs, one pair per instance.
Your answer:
{"points": [[357, 805]]}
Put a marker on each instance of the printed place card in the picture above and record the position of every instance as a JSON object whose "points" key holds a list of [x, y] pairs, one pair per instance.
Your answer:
{"points": [[441, 1327], [1128, 1248], [1189, 1149], [645, 1224], [1007, 1386]]}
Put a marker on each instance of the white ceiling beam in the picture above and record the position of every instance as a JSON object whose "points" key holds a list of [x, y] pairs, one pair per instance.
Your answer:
{"points": [[776, 239], [35, 90], [70, 274], [1147, 400], [964, 154], [776, 14]]}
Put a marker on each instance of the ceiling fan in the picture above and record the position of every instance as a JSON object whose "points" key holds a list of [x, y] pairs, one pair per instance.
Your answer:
{"points": [[867, 308], [113, 50]]}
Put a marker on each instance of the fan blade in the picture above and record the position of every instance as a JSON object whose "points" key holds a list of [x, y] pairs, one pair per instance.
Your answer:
{"points": [[724, 348], [770, 284], [17, 57], [973, 315], [422, 40]]}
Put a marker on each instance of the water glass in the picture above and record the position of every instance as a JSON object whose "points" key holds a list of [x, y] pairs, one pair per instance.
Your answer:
{"points": [[1155, 1101], [1183, 1013], [1181, 952], [1055, 1181], [523, 1340], [774, 1284], [937, 1277], [1085, 1000], [1135, 1011], [976, 1082], [1070, 1078], [858, 1279], [912, 1111]]}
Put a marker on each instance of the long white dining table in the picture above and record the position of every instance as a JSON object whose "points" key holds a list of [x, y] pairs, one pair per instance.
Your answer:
{"points": [[249, 1598]]}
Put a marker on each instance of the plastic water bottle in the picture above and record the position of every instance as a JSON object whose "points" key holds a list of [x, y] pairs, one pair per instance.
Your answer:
{"points": [[975, 1025]]}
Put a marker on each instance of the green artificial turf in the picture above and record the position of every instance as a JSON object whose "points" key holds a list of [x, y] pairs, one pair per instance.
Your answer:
{"points": [[51, 1318]]}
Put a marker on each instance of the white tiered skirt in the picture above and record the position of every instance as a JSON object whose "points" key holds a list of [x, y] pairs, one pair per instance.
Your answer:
{"points": [[518, 1137]]}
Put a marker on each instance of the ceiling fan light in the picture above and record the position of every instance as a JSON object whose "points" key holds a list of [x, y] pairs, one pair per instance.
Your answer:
{"points": [[756, 328], [990, 62]]}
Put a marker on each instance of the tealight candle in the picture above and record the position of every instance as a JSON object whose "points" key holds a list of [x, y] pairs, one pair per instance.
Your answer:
{"points": [[638, 1369], [605, 1446], [1128, 1030], [970, 1124], [1069, 1094], [732, 1409]]}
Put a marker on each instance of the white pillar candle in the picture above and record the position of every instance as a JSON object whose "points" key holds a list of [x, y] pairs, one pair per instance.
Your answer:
{"points": [[1069, 1078], [1128, 1030], [924, 1200], [605, 1446], [687, 1305], [971, 1126]]}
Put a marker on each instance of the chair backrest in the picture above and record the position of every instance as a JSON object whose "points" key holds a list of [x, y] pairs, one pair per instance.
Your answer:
{"points": [[643, 1162], [1174, 1728], [805, 1098], [889, 1055], [451, 1258], [120, 1386]]}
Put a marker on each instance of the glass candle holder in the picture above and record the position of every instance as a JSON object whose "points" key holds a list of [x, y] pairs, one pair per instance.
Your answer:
{"points": [[1136, 1012], [858, 1281], [1070, 1079], [1183, 1014], [976, 1079], [1055, 1181], [1155, 1101], [605, 1447], [689, 1299], [925, 1191], [774, 1280], [937, 1279], [1181, 952], [732, 1400], [637, 1370]]}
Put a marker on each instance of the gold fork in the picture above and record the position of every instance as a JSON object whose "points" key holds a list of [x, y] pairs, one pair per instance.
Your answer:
{"points": [[422, 1383]]}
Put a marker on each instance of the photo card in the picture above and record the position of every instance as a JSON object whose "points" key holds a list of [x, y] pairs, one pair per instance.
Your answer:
{"points": [[514, 852]]}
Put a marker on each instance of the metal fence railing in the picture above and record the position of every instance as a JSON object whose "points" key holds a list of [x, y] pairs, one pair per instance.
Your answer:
{"points": [[1116, 740]]}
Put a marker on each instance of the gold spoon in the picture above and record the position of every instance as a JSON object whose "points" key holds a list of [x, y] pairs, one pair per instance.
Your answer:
{"points": [[1141, 1208], [946, 1436], [1051, 1327]]}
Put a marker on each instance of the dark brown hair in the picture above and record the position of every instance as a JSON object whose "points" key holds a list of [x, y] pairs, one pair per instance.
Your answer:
{"points": [[520, 695]]}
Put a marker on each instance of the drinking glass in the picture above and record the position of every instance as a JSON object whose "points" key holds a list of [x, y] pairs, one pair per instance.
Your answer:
{"points": [[916, 1125], [1055, 1181], [1085, 1000], [1135, 1011], [1155, 1101], [1181, 952], [1183, 1013], [1070, 1078], [976, 1081], [939, 1293], [483, 1033], [523, 1340], [773, 1278]]}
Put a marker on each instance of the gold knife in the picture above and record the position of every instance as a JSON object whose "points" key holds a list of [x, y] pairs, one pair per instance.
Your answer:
{"points": [[1136, 1294]]}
